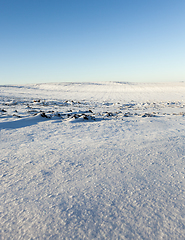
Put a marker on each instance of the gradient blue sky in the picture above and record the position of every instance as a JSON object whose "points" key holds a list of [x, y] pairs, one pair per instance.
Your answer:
{"points": [[92, 40]]}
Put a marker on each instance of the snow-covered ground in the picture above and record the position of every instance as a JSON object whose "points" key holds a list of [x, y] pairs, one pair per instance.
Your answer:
{"points": [[92, 161]]}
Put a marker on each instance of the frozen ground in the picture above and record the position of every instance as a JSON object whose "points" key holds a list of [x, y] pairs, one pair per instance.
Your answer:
{"points": [[92, 161]]}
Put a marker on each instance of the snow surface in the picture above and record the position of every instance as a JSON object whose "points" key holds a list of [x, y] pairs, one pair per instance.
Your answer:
{"points": [[92, 161]]}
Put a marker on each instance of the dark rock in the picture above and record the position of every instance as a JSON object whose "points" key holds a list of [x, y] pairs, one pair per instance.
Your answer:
{"points": [[44, 115]]}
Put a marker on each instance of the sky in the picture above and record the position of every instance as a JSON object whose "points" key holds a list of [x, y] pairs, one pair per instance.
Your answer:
{"points": [[92, 40]]}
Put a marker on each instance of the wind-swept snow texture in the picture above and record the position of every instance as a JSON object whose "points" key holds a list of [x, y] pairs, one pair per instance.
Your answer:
{"points": [[92, 161]]}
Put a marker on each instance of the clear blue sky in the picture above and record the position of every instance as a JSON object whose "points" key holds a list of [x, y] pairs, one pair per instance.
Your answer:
{"points": [[92, 40]]}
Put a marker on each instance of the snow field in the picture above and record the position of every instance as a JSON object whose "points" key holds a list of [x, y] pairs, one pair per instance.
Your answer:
{"points": [[109, 178]]}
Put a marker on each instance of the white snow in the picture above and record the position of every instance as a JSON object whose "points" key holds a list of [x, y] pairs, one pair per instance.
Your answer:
{"points": [[92, 161]]}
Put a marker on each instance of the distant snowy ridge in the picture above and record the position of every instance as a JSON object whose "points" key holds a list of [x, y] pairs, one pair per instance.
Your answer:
{"points": [[91, 101]]}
